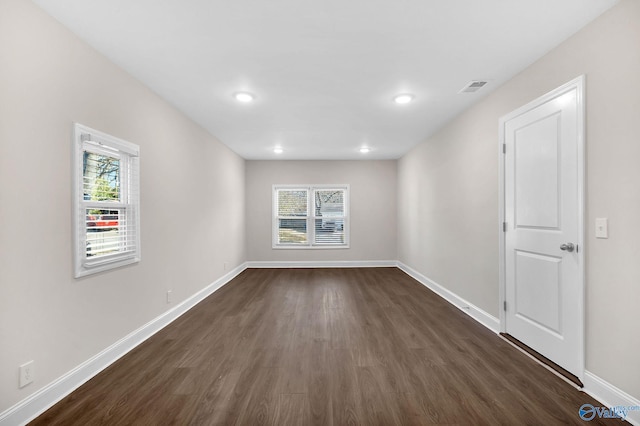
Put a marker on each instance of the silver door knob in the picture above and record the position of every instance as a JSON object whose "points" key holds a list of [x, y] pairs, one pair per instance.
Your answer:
{"points": [[567, 247]]}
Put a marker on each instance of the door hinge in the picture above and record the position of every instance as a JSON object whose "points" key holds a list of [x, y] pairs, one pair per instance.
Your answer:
{"points": [[504, 305], [504, 226], [504, 148]]}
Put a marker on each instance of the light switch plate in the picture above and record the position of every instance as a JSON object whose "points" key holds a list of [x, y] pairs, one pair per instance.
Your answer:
{"points": [[602, 227]]}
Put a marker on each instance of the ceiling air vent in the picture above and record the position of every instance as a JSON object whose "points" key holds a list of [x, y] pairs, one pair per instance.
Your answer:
{"points": [[473, 86]]}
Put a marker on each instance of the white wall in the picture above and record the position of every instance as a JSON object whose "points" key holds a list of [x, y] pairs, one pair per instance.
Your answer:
{"points": [[192, 202], [448, 190], [372, 207]]}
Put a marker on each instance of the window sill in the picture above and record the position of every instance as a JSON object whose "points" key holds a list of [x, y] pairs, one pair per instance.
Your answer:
{"points": [[105, 266], [308, 247]]}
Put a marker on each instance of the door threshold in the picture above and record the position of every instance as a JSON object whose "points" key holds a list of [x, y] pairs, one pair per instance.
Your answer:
{"points": [[543, 360]]}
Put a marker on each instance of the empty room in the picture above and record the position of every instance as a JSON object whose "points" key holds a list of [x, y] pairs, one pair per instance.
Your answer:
{"points": [[319, 213]]}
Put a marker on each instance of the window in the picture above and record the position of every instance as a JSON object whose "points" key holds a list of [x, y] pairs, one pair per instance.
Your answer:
{"points": [[310, 216], [106, 201]]}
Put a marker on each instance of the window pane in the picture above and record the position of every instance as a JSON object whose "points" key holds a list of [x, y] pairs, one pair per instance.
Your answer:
{"points": [[329, 230], [292, 202], [292, 231], [105, 232], [329, 202], [100, 177]]}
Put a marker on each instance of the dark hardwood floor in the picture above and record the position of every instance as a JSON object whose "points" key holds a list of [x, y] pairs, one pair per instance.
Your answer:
{"points": [[323, 347]]}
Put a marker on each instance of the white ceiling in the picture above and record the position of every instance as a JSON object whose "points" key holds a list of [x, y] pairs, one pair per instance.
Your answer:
{"points": [[324, 72]]}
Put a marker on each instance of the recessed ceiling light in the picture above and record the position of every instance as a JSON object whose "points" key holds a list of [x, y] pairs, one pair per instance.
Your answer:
{"points": [[278, 150], [364, 150], [403, 98], [244, 97]]}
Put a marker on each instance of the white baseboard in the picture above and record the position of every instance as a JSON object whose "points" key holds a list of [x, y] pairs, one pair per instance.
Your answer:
{"points": [[36, 404], [606, 393], [484, 318], [324, 264], [610, 396]]}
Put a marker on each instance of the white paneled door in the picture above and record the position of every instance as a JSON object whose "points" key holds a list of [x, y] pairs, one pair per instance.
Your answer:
{"points": [[542, 247]]}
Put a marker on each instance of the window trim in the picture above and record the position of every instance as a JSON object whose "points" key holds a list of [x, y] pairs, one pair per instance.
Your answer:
{"points": [[310, 217], [94, 141]]}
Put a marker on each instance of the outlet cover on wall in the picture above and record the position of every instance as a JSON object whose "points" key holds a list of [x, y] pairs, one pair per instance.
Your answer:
{"points": [[26, 374], [169, 296]]}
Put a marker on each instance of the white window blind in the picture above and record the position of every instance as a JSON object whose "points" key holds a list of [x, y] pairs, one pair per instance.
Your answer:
{"points": [[106, 198], [292, 214], [329, 216], [310, 216]]}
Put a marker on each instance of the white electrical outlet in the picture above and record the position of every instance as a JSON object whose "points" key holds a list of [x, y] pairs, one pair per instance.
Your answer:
{"points": [[169, 296], [26, 374]]}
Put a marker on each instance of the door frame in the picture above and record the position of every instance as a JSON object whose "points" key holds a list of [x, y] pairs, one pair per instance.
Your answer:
{"points": [[577, 84]]}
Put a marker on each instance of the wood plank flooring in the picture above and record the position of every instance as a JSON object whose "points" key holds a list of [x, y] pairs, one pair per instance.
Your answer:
{"points": [[323, 347]]}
